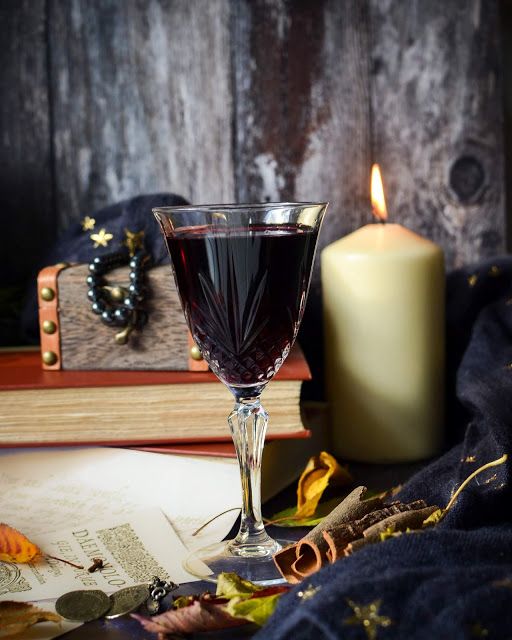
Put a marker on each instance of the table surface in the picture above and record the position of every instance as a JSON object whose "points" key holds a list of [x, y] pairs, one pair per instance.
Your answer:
{"points": [[373, 476]]}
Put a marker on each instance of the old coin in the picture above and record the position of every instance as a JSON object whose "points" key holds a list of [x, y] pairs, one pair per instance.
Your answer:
{"points": [[127, 600], [83, 606]]}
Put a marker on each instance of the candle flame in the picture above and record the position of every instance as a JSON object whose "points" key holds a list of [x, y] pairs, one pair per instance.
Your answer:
{"points": [[377, 190]]}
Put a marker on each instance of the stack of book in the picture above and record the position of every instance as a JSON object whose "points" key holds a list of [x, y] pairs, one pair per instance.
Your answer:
{"points": [[166, 412]]}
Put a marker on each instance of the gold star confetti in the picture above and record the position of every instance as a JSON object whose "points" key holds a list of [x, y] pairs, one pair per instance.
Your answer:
{"points": [[472, 280], [308, 592], [509, 365], [470, 459], [133, 240], [102, 238], [494, 271], [88, 223], [368, 616], [477, 631]]}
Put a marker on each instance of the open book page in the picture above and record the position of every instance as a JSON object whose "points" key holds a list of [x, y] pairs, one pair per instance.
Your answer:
{"points": [[134, 548], [46, 490]]}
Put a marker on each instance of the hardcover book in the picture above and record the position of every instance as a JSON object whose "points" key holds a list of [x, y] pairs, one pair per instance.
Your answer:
{"points": [[39, 407]]}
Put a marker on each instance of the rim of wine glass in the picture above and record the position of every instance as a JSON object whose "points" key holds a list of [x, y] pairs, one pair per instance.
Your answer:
{"points": [[234, 207]]}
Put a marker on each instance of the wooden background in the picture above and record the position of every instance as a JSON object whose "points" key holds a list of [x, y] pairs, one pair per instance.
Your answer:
{"points": [[248, 100]]}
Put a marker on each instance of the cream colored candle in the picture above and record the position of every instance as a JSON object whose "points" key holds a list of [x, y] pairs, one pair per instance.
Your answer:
{"points": [[383, 297]]}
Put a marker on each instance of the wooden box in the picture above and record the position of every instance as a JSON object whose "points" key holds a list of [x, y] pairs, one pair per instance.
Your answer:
{"points": [[73, 337]]}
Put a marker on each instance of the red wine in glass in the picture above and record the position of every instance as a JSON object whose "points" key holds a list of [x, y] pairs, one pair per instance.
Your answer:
{"points": [[242, 273], [243, 292]]}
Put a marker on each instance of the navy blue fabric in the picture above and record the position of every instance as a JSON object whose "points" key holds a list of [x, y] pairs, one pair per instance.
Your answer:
{"points": [[75, 245], [454, 581]]}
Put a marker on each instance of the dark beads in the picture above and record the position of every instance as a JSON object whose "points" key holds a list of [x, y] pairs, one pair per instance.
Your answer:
{"points": [[122, 316], [94, 295], [135, 276], [94, 280], [98, 307], [107, 317], [96, 268], [136, 291], [111, 310]]}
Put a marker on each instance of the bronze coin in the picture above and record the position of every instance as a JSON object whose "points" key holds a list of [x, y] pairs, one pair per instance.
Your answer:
{"points": [[83, 605], [127, 600]]}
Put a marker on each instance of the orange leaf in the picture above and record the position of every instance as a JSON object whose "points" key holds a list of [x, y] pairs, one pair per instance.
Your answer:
{"points": [[16, 617], [320, 471], [15, 547]]}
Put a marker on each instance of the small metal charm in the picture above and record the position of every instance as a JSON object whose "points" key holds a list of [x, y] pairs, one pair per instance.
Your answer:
{"points": [[158, 589]]}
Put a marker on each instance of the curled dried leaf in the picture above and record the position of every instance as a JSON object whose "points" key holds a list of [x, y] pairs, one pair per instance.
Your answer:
{"points": [[320, 471], [17, 617], [237, 602], [257, 609], [15, 547], [433, 518], [231, 585], [200, 615]]}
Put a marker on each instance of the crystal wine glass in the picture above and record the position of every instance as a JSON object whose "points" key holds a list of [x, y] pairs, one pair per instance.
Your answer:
{"points": [[242, 274]]}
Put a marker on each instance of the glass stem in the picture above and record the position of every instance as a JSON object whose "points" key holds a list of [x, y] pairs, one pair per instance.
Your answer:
{"points": [[248, 423]]}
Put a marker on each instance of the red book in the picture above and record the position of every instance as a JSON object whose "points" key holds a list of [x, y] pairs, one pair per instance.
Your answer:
{"points": [[40, 407]]}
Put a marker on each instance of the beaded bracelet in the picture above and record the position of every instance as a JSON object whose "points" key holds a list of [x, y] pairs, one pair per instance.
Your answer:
{"points": [[119, 306]]}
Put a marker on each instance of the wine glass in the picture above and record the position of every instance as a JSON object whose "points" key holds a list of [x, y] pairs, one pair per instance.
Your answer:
{"points": [[242, 273]]}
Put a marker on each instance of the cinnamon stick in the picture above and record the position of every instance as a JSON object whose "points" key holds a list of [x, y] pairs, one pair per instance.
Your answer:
{"points": [[310, 553], [338, 538], [398, 522]]}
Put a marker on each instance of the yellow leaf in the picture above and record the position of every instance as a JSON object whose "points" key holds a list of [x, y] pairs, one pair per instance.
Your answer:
{"points": [[17, 617], [320, 471], [389, 532], [434, 518], [15, 547]]}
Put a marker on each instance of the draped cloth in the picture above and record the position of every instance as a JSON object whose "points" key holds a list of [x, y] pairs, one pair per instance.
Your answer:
{"points": [[455, 580]]}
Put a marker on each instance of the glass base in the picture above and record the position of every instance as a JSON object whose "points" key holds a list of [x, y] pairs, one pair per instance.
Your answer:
{"points": [[251, 562]]}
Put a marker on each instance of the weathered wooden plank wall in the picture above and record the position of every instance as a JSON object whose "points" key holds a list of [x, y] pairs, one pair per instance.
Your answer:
{"points": [[223, 100], [437, 121], [26, 184], [141, 101]]}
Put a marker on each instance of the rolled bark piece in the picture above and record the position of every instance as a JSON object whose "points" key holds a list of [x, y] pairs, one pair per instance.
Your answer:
{"points": [[397, 522], [355, 546], [339, 537], [310, 552], [285, 560], [312, 549]]}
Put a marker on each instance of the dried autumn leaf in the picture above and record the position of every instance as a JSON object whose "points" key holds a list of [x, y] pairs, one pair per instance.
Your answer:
{"points": [[15, 547], [288, 517], [200, 615], [231, 585], [433, 518], [320, 471], [16, 617], [236, 603], [257, 609]]}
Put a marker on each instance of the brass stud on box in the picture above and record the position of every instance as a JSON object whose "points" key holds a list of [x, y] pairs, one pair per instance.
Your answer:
{"points": [[49, 358], [49, 326], [195, 353], [47, 294]]}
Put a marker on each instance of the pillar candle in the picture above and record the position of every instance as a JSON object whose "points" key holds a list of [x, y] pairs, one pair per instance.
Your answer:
{"points": [[383, 303]]}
